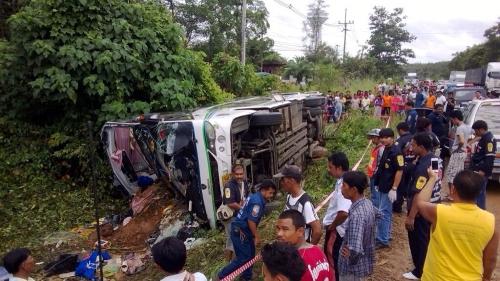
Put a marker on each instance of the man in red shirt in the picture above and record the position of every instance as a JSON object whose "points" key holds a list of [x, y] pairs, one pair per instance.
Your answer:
{"points": [[290, 228]]}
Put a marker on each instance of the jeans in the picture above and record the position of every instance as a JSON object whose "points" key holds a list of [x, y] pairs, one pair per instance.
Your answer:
{"points": [[385, 223], [374, 193], [419, 240], [244, 248], [481, 198]]}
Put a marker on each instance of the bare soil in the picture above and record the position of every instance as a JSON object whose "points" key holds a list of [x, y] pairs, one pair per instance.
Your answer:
{"points": [[392, 262]]}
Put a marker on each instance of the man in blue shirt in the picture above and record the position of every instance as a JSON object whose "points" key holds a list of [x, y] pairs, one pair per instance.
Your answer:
{"points": [[244, 233], [419, 100], [411, 117]]}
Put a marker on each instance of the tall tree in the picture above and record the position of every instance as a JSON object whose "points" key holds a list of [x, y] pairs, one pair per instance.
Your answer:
{"points": [[479, 55], [214, 26], [388, 34], [313, 25]]}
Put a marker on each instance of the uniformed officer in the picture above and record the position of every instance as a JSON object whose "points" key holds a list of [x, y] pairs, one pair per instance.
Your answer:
{"points": [[418, 228], [235, 192], [483, 157], [403, 142], [244, 233], [387, 180]]}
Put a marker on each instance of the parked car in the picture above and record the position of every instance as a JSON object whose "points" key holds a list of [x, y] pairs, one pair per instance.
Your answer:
{"points": [[194, 151], [464, 95], [486, 110]]}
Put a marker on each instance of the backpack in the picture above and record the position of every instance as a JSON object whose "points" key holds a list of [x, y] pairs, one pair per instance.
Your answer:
{"points": [[302, 201]]}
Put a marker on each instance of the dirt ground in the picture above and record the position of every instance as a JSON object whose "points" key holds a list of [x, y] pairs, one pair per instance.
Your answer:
{"points": [[391, 263]]}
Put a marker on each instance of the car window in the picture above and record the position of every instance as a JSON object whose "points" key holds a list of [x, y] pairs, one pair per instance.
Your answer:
{"points": [[489, 113], [464, 95], [467, 112]]}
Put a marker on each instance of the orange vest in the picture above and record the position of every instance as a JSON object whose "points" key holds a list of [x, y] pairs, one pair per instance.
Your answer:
{"points": [[372, 165]]}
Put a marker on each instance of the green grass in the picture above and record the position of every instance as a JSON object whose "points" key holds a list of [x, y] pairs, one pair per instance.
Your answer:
{"points": [[349, 138]]}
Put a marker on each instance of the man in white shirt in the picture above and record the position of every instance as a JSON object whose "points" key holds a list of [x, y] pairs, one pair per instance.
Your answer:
{"points": [[441, 99], [170, 255], [20, 264], [335, 219], [297, 199]]}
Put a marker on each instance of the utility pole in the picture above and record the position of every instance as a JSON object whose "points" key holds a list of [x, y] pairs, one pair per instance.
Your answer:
{"points": [[345, 23], [243, 31]]}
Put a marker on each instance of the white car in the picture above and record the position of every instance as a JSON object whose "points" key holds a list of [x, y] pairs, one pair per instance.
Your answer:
{"points": [[488, 111]]}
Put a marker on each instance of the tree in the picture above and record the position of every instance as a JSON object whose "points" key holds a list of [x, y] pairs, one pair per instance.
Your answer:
{"points": [[300, 68], [111, 58], [316, 17], [214, 26], [388, 34], [479, 55], [323, 54]]}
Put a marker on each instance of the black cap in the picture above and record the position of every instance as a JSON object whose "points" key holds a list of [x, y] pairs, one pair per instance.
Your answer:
{"points": [[386, 132], [290, 171]]}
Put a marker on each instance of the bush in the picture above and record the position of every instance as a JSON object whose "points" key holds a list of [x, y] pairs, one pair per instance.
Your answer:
{"points": [[241, 80], [105, 58]]}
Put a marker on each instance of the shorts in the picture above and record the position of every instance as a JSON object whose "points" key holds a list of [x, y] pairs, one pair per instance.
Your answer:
{"points": [[227, 230], [455, 165], [386, 110]]}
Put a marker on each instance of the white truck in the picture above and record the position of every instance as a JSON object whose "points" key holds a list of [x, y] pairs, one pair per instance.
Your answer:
{"points": [[487, 76], [193, 152], [492, 79], [457, 78], [411, 78]]}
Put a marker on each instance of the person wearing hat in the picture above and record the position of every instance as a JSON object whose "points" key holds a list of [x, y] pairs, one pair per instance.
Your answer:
{"points": [[387, 180], [244, 234], [290, 178], [375, 155]]}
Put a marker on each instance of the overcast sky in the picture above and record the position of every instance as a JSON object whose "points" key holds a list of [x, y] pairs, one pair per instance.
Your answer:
{"points": [[442, 27]]}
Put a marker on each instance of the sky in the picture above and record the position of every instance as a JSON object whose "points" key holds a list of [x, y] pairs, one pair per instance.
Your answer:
{"points": [[442, 27]]}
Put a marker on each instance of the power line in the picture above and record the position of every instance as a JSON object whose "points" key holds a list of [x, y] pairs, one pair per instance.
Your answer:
{"points": [[345, 23], [300, 14]]}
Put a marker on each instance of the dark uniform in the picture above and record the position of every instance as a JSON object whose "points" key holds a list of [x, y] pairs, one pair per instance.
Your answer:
{"points": [[242, 237], [403, 142], [419, 237], [482, 160], [234, 192], [392, 160]]}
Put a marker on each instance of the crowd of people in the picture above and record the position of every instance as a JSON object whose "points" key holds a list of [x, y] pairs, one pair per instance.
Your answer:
{"points": [[451, 236], [389, 100]]}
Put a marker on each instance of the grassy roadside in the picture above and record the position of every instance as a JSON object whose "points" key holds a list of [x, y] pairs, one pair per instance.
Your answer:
{"points": [[349, 137]]}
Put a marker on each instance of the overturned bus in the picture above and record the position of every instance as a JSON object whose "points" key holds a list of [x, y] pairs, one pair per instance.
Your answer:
{"points": [[195, 151]]}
